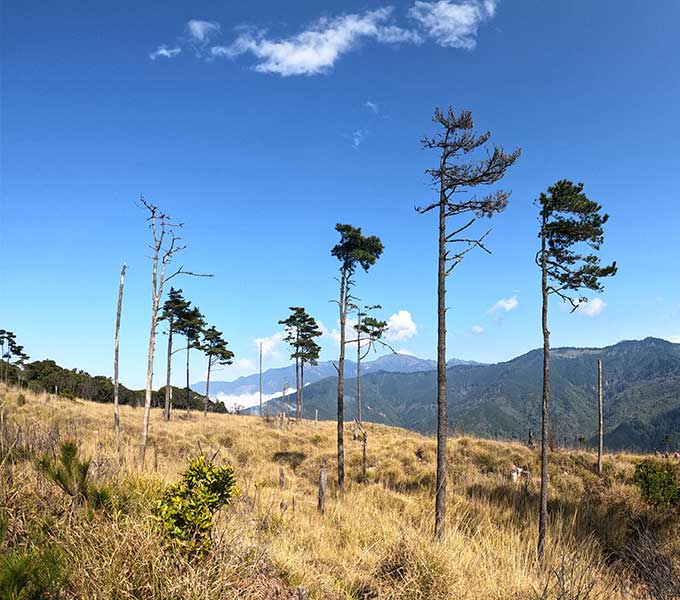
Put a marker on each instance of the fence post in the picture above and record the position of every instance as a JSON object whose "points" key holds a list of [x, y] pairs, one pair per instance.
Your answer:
{"points": [[322, 490]]}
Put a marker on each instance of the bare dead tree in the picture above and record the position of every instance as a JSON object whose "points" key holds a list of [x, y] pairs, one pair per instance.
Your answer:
{"points": [[600, 421], [116, 412], [165, 245], [453, 175]]}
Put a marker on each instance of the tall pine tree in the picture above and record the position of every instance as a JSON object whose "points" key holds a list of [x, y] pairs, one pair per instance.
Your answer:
{"points": [[570, 223], [174, 311], [353, 250]]}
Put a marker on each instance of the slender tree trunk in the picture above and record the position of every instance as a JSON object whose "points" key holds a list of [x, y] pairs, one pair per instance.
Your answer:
{"points": [[207, 390], [186, 392], [116, 412], [149, 375], [442, 418], [302, 390], [359, 416], [260, 379], [600, 407], [341, 382], [168, 385], [545, 425], [297, 387]]}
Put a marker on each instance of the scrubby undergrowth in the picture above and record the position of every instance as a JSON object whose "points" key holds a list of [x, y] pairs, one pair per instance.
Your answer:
{"points": [[376, 542]]}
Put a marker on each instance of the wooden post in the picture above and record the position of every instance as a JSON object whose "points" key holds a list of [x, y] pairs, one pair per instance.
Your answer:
{"points": [[316, 415], [363, 463], [155, 457], [116, 411], [600, 446], [323, 476], [282, 477]]}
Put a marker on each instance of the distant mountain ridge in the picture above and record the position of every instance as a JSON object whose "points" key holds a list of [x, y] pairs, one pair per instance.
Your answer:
{"points": [[273, 380], [641, 396]]}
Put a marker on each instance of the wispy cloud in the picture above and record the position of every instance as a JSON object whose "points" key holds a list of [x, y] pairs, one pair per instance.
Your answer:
{"points": [[477, 329], [401, 326], [358, 137], [372, 106], [202, 32], [316, 49], [164, 52], [453, 24], [591, 308], [505, 304]]}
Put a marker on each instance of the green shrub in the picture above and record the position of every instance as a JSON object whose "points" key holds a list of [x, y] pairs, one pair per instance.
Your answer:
{"points": [[187, 507], [658, 483], [21, 400]]}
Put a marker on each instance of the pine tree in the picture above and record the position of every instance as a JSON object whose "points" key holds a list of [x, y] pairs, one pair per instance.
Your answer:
{"points": [[174, 311], [569, 221], [354, 250], [214, 346], [301, 329], [191, 326], [454, 175]]}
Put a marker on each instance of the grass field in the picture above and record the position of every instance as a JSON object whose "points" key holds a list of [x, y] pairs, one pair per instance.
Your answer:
{"points": [[375, 542]]}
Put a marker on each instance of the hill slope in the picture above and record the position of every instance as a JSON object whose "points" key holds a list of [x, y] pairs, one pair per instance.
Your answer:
{"points": [[641, 391], [375, 542]]}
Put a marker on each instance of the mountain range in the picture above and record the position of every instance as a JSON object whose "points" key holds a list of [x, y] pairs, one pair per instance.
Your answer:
{"points": [[641, 395], [274, 380]]}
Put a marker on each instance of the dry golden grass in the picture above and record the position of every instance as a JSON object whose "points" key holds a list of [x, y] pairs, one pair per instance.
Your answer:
{"points": [[375, 542]]}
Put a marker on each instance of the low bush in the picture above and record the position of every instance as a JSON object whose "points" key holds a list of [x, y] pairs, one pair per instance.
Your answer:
{"points": [[186, 509], [658, 483]]}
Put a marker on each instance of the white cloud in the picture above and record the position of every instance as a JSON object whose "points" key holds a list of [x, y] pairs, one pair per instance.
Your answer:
{"points": [[673, 339], [453, 24], [372, 106], [164, 52], [406, 352], [400, 326], [592, 308], [477, 329], [505, 304], [271, 344], [232, 401], [316, 49], [202, 31], [244, 364]]}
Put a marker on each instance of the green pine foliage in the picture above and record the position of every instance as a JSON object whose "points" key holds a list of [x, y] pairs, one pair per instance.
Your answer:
{"points": [[71, 474], [659, 483], [187, 508]]}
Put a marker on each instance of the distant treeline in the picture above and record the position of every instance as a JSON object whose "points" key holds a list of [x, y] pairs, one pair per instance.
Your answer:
{"points": [[48, 376]]}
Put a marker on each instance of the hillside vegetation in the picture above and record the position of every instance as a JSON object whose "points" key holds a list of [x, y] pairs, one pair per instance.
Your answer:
{"points": [[271, 542], [641, 396]]}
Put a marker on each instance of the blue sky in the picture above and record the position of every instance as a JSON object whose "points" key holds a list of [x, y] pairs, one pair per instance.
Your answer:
{"points": [[260, 125]]}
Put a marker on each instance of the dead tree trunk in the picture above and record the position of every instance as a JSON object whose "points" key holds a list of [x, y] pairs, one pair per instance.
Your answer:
{"points": [[545, 404], [364, 459], [321, 506], [186, 392], [600, 407], [442, 417], [260, 379], [359, 419], [161, 228], [116, 411]]}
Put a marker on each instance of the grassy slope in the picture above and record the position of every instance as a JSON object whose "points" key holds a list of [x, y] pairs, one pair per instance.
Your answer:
{"points": [[374, 543]]}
